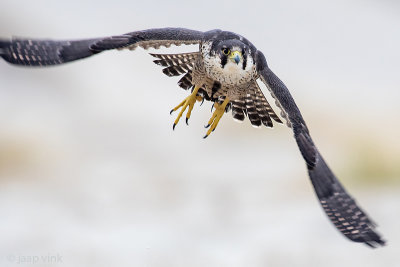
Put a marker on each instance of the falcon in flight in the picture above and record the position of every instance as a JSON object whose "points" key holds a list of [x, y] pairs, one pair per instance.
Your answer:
{"points": [[225, 71]]}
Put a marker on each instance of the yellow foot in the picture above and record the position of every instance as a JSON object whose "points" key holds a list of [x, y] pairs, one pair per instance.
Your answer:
{"points": [[188, 101], [216, 116]]}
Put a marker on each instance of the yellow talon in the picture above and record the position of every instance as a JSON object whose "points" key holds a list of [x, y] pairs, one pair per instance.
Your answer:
{"points": [[216, 116], [188, 101]]}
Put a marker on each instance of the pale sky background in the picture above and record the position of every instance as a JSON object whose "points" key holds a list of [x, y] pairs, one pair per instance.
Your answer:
{"points": [[91, 171]]}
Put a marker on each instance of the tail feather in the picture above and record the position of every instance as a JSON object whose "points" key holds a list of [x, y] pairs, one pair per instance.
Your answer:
{"points": [[238, 109], [252, 113], [262, 111], [258, 108], [267, 107]]}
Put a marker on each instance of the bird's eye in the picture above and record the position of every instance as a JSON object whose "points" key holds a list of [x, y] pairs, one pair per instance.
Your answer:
{"points": [[226, 51]]}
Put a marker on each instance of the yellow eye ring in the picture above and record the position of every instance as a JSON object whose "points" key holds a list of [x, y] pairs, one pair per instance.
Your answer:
{"points": [[226, 51]]}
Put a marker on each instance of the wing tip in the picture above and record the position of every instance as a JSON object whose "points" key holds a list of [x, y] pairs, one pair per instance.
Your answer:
{"points": [[4, 44], [373, 240]]}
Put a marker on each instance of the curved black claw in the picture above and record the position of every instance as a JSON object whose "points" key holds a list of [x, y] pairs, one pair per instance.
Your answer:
{"points": [[212, 107], [187, 121], [170, 113], [202, 101], [206, 126], [173, 126], [204, 137]]}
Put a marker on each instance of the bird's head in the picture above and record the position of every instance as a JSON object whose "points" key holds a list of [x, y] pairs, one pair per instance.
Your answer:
{"points": [[229, 61], [227, 54], [231, 52]]}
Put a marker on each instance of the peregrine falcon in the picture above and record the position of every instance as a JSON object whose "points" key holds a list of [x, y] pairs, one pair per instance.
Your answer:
{"points": [[224, 71]]}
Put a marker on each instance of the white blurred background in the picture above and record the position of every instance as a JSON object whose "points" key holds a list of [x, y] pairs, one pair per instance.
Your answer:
{"points": [[92, 173]]}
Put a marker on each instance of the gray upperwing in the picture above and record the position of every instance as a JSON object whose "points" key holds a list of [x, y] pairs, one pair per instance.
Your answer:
{"points": [[31, 52], [340, 207]]}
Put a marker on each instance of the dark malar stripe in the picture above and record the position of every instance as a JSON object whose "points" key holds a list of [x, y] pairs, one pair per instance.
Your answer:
{"points": [[244, 59], [224, 60]]}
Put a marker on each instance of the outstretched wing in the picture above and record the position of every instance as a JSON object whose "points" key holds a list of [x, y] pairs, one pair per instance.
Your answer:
{"points": [[48, 52], [340, 207]]}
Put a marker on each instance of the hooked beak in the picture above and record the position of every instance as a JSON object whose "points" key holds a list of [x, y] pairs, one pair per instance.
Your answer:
{"points": [[235, 56]]}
